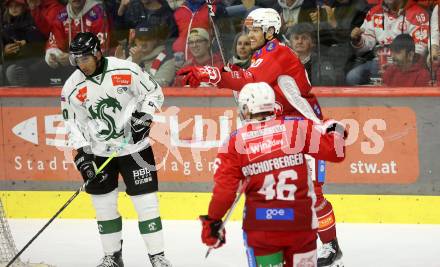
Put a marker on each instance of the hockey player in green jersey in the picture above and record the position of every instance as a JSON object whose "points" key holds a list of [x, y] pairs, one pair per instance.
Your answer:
{"points": [[104, 102]]}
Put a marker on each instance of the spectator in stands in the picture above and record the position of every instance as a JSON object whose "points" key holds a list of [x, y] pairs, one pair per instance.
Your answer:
{"points": [[23, 44], [192, 14], [77, 16], [242, 52], [199, 44], [382, 24], [408, 68], [150, 53], [152, 12], [302, 41], [342, 16], [297, 11], [44, 13], [118, 29]]}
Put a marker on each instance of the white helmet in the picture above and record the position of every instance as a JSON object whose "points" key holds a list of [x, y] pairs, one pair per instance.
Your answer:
{"points": [[258, 97], [264, 18]]}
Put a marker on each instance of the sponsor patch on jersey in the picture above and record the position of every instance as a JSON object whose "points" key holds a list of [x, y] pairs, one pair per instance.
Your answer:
{"points": [[275, 214], [121, 89], [142, 176], [321, 171], [306, 259], [258, 53], [293, 118], [317, 109], [82, 94], [270, 46], [62, 16], [121, 79], [378, 20], [92, 15], [265, 145], [326, 221], [262, 132]]}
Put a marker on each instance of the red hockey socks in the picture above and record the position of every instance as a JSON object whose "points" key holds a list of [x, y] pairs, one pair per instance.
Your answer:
{"points": [[327, 221]]}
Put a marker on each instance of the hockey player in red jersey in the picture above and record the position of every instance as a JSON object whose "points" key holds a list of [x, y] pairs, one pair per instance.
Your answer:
{"points": [[268, 155], [276, 64]]}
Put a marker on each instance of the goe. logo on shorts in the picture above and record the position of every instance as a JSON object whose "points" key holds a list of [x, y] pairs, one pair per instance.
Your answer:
{"points": [[275, 214]]}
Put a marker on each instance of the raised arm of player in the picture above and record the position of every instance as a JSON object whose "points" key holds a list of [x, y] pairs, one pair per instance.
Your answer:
{"points": [[323, 141]]}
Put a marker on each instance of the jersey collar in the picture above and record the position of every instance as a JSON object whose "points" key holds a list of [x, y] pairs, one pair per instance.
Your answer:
{"points": [[99, 74]]}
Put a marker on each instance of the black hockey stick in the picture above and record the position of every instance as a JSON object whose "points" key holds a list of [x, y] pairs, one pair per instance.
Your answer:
{"points": [[229, 214], [318, 38], [114, 154]]}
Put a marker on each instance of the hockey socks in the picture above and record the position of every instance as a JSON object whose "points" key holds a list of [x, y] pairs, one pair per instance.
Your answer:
{"points": [[327, 222], [109, 221], [150, 224]]}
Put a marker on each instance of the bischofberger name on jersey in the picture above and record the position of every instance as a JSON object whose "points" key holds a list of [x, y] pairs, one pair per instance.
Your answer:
{"points": [[273, 164], [263, 132]]}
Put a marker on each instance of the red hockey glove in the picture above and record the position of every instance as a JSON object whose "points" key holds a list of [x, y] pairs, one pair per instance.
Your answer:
{"points": [[195, 75], [210, 232]]}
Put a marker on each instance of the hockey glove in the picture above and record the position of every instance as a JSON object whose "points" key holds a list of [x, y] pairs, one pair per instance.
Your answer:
{"points": [[140, 126], [85, 163], [335, 126], [211, 236], [194, 76]]}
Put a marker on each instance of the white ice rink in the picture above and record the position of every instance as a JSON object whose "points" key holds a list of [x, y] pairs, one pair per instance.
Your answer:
{"points": [[76, 243]]}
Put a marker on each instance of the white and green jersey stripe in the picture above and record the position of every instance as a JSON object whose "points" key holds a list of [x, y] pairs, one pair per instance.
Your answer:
{"points": [[96, 109]]}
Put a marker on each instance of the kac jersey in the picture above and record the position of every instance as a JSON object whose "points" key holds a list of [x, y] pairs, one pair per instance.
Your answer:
{"points": [[277, 65], [270, 157], [97, 109]]}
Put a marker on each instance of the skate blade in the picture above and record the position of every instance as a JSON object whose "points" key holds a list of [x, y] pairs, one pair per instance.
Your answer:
{"points": [[337, 263]]}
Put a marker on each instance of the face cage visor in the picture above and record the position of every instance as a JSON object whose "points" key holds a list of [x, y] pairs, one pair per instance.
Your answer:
{"points": [[74, 58]]}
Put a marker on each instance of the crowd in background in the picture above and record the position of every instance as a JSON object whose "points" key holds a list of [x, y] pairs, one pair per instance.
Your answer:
{"points": [[340, 42]]}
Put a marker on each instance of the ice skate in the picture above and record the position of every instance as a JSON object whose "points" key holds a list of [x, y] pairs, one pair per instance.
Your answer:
{"points": [[159, 260], [330, 255], [114, 260]]}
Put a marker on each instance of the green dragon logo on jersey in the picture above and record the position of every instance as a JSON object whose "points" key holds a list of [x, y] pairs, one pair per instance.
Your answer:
{"points": [[102, 105]]}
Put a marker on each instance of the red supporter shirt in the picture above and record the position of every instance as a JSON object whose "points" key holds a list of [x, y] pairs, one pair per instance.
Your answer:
{"points": [[64, 28], [417, 75], [270, 156], [45, 14], [268, 64], [187, 19]]}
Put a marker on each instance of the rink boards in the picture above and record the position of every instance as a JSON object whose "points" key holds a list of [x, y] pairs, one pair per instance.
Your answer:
{"points": [[393, 209], [390, 174]]}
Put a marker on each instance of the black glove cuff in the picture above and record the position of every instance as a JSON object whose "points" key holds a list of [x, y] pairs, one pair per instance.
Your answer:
{"points": [[336, 127]]}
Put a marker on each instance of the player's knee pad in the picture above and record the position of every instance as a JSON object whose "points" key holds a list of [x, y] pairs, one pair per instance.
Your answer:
{"points": [[106, 206], [146, 205]]}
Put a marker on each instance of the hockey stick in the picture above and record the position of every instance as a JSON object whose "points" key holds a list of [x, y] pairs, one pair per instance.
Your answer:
{"points": [[211, 15], [114, 154], [318, 39], [290, 90], [229, 214], [433, 78]]}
